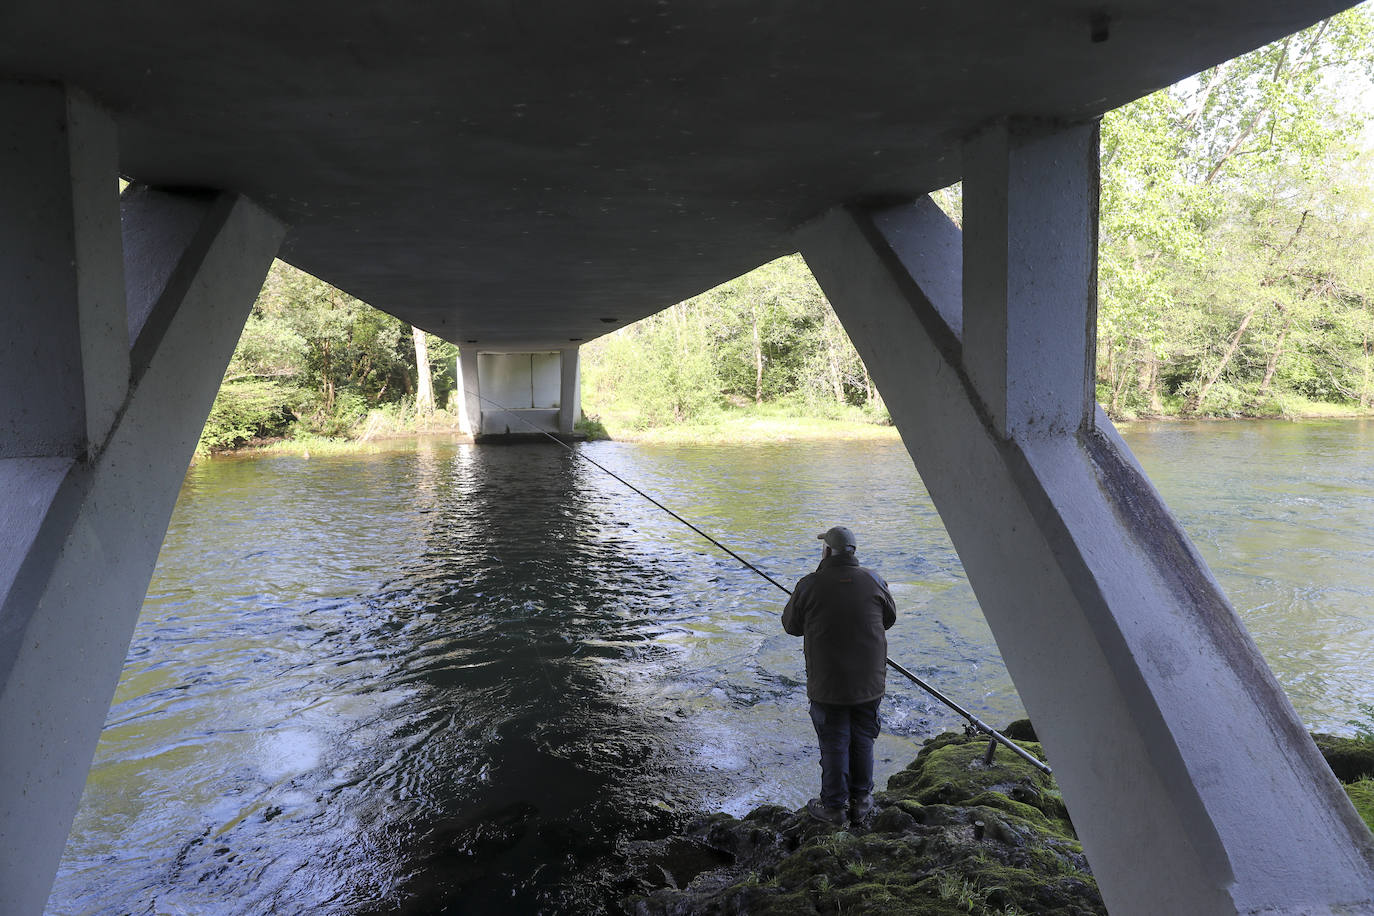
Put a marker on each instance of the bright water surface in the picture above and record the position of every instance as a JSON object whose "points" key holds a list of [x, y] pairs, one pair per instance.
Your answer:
{"points": [[444, 678]]}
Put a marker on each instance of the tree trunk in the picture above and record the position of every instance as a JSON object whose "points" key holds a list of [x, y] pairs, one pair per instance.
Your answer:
{"points": [[1144, 375], [1147, 381], [836, 383], [1122, 377], [680, 312], [424, 382], [328, 378], [1115, 401], [1367, 396], [758, 360], [1196, 404], [1273, 363]]}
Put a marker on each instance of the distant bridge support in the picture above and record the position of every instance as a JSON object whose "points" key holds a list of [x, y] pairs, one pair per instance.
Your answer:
{"points": [[520, 393], [121, 315], [1187, 772]]}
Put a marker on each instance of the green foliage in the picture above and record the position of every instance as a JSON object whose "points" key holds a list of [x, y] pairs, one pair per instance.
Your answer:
{"points": [[247, 409], [1237, 226], [769, 336], [1362, 796], [662, 365], [314, 361], [591, 427], [1364, 725]]}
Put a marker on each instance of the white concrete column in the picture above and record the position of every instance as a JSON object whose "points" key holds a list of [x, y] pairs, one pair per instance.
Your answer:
{"points": [[1187, 773], [472, 390], [570, 399], [1030, 273], [460, 396], [84, 504]]}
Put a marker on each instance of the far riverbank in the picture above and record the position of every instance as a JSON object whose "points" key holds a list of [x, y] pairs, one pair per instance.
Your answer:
{"points": [[1286, 410], [747, 429], [733, 426]]}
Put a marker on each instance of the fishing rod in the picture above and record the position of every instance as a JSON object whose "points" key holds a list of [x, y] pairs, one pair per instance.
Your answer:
{"points": [[976, 723]]}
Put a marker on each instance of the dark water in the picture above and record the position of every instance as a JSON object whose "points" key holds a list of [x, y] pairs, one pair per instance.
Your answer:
{"points": [[449, 679]]}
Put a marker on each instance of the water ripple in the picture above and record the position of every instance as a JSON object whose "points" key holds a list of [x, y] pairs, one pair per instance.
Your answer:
{"points": [[449, 676]]}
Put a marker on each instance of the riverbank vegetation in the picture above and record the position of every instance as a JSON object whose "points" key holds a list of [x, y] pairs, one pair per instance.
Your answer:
{"points": [[315, 363], [766, 345], [1237, 235], [1236, 278]]}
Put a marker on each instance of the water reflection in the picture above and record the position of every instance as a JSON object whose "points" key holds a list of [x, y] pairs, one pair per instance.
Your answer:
{"points": [[441, 677], [448, 678]]}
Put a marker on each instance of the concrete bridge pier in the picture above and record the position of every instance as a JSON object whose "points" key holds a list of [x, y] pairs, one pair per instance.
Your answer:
{"points": [[1187, 772], [121, 315], [520, 392]]}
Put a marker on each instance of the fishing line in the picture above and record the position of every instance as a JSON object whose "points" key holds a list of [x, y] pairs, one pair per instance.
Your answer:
{"points": [[976, 723]]}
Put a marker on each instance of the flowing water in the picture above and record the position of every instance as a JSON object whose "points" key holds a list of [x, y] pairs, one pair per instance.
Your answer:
{"points": [[452, 679]]}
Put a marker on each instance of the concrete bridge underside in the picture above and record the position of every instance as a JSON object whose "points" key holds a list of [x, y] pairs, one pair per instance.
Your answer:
{"points": [[519, 178]]}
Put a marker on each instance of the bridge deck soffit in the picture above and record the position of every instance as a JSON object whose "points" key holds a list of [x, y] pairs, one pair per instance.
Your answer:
{"points": [[481, 170]]}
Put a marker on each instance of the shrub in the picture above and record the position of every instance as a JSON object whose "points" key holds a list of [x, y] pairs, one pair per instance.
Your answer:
{"points": [[247, 409]]}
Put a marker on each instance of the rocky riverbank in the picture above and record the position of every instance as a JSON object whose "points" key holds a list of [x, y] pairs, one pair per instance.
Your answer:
{"points": [[950, 835]]}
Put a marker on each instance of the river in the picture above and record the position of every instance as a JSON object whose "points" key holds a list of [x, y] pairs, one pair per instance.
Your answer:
{"points": [[441, 678]]}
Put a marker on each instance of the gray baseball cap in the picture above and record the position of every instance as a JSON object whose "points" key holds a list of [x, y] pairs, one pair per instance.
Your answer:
{"points": [[839, 539]]}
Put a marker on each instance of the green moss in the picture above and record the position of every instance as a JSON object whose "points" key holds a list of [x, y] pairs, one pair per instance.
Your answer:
{"points": [[1351, 759], [951, 836], [1362, 794], [1020, 810], [888, 899], [806, 862], [950, 770], [989, 886]]}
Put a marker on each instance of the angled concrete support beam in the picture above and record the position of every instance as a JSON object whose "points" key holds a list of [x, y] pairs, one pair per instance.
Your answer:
{"points": [[103, 407], [1187, 772]]}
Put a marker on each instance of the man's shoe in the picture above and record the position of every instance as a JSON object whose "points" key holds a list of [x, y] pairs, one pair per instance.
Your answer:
{"points": [[835, 817], [860, 807]]}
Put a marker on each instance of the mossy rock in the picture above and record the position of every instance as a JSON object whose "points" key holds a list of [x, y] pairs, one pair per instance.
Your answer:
{"points": [[1362, 794], [951, 836], [1351, 759], [950, 770], [1000, 803], [1021, 730]]}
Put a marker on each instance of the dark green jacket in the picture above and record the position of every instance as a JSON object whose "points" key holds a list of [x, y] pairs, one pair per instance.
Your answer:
{"points": [[843, 611]]}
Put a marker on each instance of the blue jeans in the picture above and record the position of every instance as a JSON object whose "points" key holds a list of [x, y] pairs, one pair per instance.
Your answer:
{"points": [[846, 736]]}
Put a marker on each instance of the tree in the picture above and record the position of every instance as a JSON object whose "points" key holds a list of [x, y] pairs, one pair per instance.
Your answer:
{"points": [[1216, 224], [768, 336]]}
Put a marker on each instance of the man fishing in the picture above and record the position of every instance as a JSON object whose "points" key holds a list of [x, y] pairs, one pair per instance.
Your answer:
{"points": [[843, 610]]}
